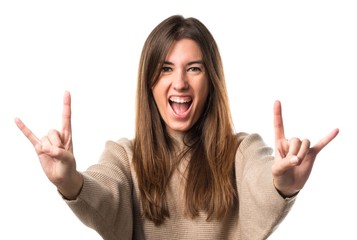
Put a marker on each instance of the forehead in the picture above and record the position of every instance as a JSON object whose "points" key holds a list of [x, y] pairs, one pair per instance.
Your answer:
{"points": [[184, 50]]}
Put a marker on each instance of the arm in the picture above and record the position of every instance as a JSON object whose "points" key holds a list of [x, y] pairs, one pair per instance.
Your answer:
{"points": [[262, 179], [261, 208], [101, 196], [55, 152], [105, 202]]}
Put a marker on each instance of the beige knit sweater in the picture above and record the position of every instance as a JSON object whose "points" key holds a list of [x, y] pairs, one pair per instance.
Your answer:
{"points": [[109, 201]]}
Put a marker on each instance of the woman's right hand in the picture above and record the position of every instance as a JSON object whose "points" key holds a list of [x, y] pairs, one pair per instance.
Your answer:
{"points": [[55, 152]]}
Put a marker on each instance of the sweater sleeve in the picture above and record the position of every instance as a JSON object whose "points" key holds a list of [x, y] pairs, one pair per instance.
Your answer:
{"points": [[104, 203], [261, 207]]}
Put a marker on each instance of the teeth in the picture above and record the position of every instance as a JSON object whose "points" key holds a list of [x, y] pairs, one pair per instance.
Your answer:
{"points": [[180, 99]]}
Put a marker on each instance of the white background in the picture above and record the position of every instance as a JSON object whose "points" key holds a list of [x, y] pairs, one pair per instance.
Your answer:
{"points": [[301, 52]]}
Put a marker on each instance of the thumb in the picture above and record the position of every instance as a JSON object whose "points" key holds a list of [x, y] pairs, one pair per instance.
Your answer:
{"points": [[282, 165], [57, 152]]}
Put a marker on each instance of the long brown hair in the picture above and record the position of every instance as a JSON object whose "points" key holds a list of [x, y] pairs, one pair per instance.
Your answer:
{"points": [[210, 143]]}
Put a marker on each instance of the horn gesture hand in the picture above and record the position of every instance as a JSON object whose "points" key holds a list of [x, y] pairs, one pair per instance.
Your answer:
{"points": [[55, 152], [294, 158]]}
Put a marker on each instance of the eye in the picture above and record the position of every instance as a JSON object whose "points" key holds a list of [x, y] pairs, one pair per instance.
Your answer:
{"points": [[166, 69], [194, 69]]}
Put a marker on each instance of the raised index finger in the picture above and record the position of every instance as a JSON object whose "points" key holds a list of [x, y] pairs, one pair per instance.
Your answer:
{"points": [[66, 117], [278, 122]]}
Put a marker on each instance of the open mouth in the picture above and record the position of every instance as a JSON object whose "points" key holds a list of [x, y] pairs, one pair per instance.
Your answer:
{"points": [[180, 105]]}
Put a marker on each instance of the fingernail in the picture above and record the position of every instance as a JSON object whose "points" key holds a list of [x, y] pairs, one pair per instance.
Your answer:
{"points": [[294, 160]]}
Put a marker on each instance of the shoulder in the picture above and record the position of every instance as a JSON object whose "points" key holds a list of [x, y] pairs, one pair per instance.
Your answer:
{"points": [[251, 142], [121, 149], [125, 143], [253, 158], [122, 143], [251, 147]]}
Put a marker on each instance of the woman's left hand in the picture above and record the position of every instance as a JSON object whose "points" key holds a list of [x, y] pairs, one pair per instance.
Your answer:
{"points": [[294, 158]]}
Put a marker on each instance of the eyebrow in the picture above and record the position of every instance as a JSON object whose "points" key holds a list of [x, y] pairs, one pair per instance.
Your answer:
{"points": [[188, 64]]}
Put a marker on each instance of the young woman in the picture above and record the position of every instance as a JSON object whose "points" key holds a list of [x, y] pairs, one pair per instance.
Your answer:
{"points": [[186, 174]]}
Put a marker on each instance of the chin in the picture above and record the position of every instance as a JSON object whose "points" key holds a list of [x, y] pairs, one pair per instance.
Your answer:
{"points": [[178, 129]]}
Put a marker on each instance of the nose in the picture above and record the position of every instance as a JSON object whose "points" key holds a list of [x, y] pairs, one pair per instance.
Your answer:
{"points": [[180, 81]]}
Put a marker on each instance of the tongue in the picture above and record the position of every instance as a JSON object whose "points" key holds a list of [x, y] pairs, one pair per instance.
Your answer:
{"points": [[180, 108]]}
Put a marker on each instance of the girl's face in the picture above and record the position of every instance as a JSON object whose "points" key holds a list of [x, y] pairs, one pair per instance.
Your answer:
{"points": [[182, 89]]}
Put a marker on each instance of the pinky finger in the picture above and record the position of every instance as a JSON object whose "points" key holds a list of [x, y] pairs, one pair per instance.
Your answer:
{"points": [[326, 140], [27, 132]]}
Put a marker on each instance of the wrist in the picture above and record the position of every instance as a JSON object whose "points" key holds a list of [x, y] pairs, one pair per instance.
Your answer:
{"points": [[72, 188], [286, 193]]}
